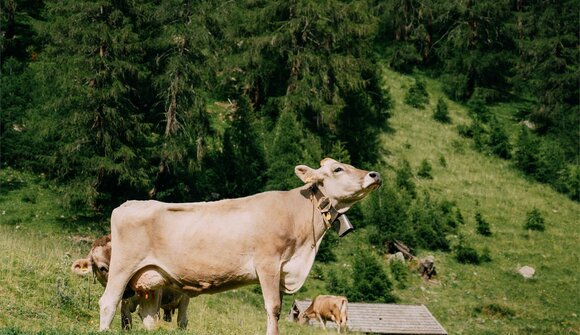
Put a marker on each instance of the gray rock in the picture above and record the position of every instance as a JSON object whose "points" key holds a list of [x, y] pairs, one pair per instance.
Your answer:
{"points": [[527, 271]]}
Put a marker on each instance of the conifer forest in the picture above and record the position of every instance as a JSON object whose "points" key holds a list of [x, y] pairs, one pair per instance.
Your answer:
{"points": [[180, 100]]}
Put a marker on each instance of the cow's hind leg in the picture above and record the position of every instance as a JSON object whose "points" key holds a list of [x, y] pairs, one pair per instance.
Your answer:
{"points": [[126, 319], [270, 282], [182, 312], [167, 315]]}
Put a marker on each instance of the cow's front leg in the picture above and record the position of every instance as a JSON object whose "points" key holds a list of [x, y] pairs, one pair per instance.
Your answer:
{"points": [[322, 322], [270, 282]]}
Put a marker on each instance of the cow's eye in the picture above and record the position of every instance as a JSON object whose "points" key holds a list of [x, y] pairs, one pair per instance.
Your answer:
{"points": [[337, 170], [103, 269]]}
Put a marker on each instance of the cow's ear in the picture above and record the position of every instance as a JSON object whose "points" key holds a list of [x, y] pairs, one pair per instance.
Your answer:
{"points": [[81, 266], [307, 174]]}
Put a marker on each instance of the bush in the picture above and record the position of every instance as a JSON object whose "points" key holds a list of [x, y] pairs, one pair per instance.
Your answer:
{"points": [[482, 225], [441, 113], [478, 109], [535, 221], [338, 282], [370, 280], [442, 161], [527, 152], [431, 223], [325, 253], [425, 170], [455, 86], [404, 178], [467, 255], [400, 272], [498, 141], [417, 95], [485, 255]]}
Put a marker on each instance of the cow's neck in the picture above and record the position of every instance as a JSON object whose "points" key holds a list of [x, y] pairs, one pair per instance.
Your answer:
{"points": [[323, 206]]}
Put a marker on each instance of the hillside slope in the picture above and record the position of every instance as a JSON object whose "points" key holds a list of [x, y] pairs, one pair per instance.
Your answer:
{"points": [[38, 292], [490, 298]]}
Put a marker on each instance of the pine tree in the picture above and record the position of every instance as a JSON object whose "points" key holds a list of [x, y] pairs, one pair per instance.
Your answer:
{"points": [[425, 169], [284, 152], [498, 141], [417, 95], [370, 280], [441, 112], [526, 154], [482, 225], [242, 162], [92, 120], [404, 178]]}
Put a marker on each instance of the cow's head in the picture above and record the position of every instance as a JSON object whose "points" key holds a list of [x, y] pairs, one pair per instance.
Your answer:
{"points": [[97, 261], [343, 184]]}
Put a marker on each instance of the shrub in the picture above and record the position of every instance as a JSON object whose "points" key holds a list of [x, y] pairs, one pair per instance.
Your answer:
{"points": [[338, 282], [535, 221], [498, 141], [527, 152], [455, 86], [387, 215], [466, 254], [478, 109], [417, 95], [482, 225], [464, 131], [431, 224], [370, 280], [404, 178], [441, 113], [325, 253], [400, 272], [442, 161], [425, 170], [485, 255]]}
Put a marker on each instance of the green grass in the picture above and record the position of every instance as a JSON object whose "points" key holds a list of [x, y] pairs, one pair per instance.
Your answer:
{"points": [[38, 292]]}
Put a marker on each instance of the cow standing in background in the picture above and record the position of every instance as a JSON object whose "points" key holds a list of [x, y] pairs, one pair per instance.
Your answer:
{"points": [[324, 308], [98, 261], [269, 238]]}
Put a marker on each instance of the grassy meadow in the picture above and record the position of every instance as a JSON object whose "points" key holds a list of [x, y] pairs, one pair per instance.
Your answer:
{"points": [[38, 242]]}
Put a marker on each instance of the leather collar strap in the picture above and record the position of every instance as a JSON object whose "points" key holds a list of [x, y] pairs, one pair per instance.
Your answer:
{"points": [[329, 213]]}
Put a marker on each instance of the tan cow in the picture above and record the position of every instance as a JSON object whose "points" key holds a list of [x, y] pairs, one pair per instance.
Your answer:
{"points": [[324, 308], [269, 238], [97, 262]]}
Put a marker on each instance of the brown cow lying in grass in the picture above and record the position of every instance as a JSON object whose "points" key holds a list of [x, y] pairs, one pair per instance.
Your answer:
{"points": [[324, 308], [97, 262]]}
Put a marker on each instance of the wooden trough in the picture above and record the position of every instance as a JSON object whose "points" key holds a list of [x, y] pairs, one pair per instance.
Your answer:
{"points": [[381, 318]]}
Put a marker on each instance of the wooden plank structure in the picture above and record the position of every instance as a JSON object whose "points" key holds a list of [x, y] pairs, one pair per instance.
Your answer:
{"points": [[381, 318]]}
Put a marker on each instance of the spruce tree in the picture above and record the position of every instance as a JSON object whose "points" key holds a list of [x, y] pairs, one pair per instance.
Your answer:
{"points": [[526, 154], [498, 141], [284, 152], [92, 120], [370, 280], [441, 112], [417, 95]]}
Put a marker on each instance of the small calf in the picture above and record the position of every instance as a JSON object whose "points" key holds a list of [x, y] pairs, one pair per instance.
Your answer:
{"points": [[98, 261], [324, 308]]}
